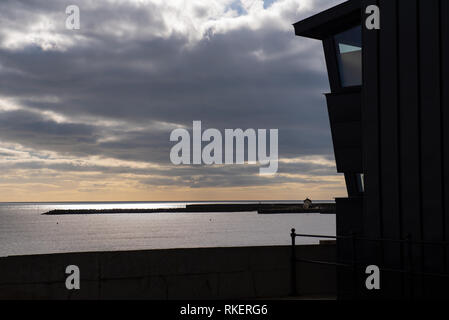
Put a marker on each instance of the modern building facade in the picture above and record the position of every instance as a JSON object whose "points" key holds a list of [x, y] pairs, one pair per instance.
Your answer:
{"points": [[389, 116]]}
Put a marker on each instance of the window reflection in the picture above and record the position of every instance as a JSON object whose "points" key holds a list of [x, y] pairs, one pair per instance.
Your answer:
{"points": [[349, 52]]}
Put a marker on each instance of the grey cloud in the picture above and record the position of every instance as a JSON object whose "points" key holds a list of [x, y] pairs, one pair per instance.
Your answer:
{"points": [[219, 80]]}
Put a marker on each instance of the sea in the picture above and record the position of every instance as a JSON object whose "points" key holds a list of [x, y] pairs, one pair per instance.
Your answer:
{"points": [[24, 230]]}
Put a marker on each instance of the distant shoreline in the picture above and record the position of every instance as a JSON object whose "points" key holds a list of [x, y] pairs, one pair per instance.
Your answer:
{"points": [[261, 208]]}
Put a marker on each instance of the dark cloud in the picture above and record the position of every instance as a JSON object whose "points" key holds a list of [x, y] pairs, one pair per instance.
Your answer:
{"points": [[147, 84]]}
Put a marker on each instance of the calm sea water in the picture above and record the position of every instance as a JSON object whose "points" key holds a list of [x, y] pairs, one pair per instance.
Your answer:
{"points": [[24, 230]]}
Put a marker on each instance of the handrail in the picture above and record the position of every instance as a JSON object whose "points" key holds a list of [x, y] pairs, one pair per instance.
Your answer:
{"points": [[423, 242], [354, 264], [315, 236]]}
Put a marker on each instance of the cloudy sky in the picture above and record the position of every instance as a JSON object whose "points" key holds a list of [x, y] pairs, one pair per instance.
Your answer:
{"points": [[87, 114]]}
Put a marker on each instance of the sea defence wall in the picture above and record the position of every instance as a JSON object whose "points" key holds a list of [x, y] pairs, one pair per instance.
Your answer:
{"points": [[198, 273]]}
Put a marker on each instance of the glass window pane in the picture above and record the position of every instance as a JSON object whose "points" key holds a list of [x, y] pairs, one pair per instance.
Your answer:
{"points": [[349, 52]]}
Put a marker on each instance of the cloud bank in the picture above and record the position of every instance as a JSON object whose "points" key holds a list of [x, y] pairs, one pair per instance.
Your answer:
{"points": [[87, 114]]}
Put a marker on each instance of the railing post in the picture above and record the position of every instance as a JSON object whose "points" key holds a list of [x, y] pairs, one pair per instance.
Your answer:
{"points": [[293, 289]]}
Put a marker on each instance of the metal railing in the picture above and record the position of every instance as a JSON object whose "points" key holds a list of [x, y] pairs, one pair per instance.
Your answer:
{"points": [[355, 263]]}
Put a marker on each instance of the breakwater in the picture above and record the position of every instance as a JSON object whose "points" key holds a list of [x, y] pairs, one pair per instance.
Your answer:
{"points": [[263, 208]]}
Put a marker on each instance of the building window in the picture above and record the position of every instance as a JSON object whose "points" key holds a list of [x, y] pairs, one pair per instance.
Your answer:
{"points": [[349, 55], [362, 183]]}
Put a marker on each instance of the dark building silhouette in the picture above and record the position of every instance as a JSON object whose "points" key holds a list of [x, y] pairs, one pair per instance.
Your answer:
{"points": [[389, 117]]}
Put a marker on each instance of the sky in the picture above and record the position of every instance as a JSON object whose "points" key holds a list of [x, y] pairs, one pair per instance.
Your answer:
{"points": [[86, 115]]}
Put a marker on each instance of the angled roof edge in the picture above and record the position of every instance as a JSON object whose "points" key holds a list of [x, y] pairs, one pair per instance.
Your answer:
{"points": [[330, 21]]}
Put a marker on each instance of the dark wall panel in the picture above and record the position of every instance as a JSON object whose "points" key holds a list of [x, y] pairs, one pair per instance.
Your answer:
{"points": [[347, 135], [349, 160], [409, 117], [344, 107], [409, 124], [372, 218], [370, 125], [406, 139], [430, 112], [389, 142], [444, 39], [405, 123], [344, 116], [370, 121], [349, 221], [430, 129]]}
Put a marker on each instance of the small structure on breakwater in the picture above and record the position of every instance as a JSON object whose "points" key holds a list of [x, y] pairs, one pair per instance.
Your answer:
{"points": [[307, 204]]}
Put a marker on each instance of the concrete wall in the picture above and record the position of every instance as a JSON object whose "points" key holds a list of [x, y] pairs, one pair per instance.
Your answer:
{"points": [[204, 273]]}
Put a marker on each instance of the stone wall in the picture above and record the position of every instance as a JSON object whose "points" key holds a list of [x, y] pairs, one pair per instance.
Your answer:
{"points": [[198, 273]]}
